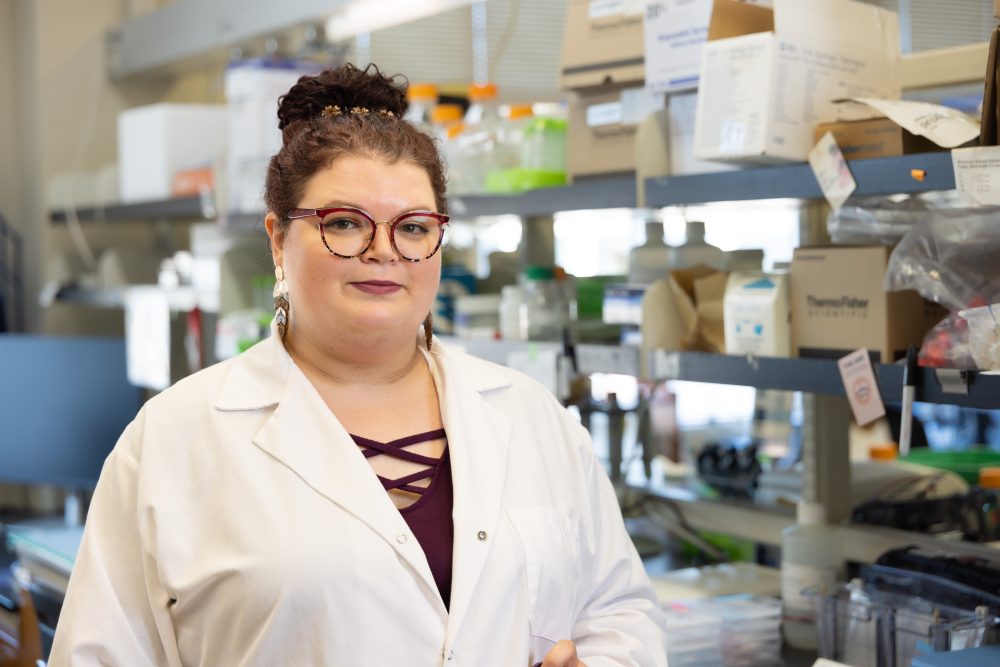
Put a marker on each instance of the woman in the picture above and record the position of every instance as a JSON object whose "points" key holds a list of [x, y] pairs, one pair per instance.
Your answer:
{"points": [[349, 491]]}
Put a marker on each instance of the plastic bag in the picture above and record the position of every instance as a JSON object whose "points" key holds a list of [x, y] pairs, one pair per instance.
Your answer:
{"points": [[884, 221], [950, 257]]}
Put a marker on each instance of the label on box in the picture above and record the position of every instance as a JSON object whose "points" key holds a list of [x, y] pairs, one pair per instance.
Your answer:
{"points": [[599, 9], [676, 31], [944, 126], [861, 386], [834, 176], [607, 113], [977, 173], [637, 103]]}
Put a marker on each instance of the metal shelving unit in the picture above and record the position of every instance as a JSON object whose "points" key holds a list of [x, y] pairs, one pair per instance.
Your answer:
{"points": [[969, 389], [876, 176], [183, 208], [596, 193]]}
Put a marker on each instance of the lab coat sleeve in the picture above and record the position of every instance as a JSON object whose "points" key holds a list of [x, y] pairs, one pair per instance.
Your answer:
{"points": [[618, 618], [114, 613]]}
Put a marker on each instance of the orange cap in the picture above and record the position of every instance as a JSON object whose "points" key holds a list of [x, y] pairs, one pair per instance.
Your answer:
{"points": [[480, 92], [520, 111], [446, 113], [989, 477], [882, 452], [455, 130], [422, 91]]}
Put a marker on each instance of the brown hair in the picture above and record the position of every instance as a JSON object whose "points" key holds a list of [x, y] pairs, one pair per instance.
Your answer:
{"points": [[312, 140]]}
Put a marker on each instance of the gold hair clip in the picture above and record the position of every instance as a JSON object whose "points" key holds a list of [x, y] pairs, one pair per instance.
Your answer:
{"points": [[334, 110]]}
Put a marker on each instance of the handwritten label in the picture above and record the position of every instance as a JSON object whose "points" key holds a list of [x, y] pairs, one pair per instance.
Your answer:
{"points": [[861, 386], [831, 170], [977, 173]]}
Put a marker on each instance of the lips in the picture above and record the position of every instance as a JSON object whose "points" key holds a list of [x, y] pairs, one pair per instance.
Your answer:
{"points": [[377, 286]]}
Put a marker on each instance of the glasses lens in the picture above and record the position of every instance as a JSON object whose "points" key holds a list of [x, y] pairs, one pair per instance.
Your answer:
{"points": [[417, 236], [346, 233]]}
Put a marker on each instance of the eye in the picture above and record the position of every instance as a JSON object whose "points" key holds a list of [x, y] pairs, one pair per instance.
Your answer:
{"points": [[418, 226], [339, 222]]}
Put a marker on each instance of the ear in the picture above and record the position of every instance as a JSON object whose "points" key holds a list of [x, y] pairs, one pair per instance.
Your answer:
{"points": [[277, 237]]}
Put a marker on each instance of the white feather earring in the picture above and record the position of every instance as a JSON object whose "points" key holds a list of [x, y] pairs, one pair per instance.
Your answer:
{"points": [[281, 307]]}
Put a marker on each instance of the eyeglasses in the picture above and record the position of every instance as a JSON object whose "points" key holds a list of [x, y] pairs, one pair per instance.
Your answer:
{"points": [[349, 232]]}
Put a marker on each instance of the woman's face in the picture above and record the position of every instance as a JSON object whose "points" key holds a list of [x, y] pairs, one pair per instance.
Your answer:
{"points": [[376, 293]]}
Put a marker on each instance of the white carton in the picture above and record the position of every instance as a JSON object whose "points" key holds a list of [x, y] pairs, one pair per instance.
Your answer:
{"points": [[681, 109], [675, 32], [756, 315], [156, 141], [763, 89], [252, 91]]}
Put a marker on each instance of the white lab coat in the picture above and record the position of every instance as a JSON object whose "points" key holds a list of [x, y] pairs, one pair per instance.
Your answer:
{"points": [[237, 523]]}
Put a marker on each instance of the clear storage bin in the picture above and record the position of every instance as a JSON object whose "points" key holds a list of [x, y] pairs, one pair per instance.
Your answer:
{"points": [[864, 627]]}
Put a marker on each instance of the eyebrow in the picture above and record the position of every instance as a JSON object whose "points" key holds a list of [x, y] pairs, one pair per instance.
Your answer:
{"points": [[339, 204]]}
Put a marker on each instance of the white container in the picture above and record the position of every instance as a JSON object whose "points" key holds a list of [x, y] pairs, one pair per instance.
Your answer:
{"points": [[252, 91], [756, 316], [696, 251], [653, 259], [811, 558], [984, 335], [477, 316], [156, 141], [511, 298]]}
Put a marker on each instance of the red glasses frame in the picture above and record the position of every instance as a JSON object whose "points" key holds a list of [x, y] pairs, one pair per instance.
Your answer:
{"points": [[322, 213]]}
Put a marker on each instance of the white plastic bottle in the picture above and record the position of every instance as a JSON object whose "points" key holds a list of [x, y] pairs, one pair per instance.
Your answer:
{"points": [[652, 260], [696, 251], [810, 558]]}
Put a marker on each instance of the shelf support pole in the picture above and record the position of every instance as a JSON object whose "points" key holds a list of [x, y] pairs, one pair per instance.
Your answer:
{"points": [[826, 477], [538, 241]]}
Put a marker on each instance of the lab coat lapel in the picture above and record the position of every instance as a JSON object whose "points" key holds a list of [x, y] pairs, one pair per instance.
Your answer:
{"points": [[479, 439], [305, 436]]}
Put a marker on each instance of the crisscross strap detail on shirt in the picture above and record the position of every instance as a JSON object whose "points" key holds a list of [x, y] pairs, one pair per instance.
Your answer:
{"points": [[397, 449]]}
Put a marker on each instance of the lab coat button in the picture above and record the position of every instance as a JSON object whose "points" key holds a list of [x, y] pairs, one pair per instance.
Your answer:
{"points": [[482, 536], [401, 538]]}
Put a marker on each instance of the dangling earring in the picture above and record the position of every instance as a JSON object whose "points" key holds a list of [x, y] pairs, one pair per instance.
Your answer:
{"points": [[428, 330], [280, 301]]}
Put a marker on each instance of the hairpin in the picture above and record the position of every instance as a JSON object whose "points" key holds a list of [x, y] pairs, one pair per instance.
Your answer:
{"points": [[331, 111], [385, 113], [360, 111]]}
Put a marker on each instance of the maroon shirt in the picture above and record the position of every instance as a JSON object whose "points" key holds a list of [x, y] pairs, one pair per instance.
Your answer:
{"points": [[430, 516]]}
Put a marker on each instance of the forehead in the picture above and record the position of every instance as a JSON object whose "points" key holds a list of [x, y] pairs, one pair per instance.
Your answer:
{"points": [[383, 188]]}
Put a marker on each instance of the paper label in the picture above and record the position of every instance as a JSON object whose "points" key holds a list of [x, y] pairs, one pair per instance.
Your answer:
{"points": [[944, 126], [599, 9], [977, 173], [608, 113], [831, 170], [676, 31], [861, 387], [796, 578], [637, 103]]}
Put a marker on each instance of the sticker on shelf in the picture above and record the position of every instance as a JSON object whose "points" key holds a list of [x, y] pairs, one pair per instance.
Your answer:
{"points": [[861, 386], [831, 170], [977, 173]]}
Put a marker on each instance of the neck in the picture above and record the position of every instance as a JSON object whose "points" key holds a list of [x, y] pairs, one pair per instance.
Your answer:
{"points": [[358, 361]]}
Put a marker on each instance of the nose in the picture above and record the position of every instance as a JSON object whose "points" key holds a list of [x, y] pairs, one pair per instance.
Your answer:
{"points": [[380, 249]]}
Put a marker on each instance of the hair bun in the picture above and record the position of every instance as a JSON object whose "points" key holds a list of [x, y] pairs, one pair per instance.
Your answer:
{"points": [[345, 86]]}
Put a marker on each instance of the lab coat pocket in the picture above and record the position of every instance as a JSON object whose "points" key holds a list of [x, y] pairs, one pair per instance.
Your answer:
{"points": [[552, 569]]}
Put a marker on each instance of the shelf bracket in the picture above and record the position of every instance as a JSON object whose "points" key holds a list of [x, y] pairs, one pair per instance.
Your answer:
{"points": [[952, 380]]}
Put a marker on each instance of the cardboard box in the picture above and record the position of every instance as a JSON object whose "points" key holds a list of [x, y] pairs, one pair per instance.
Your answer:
{"points": [[602, 129], [768, 77], [681, 109], [839, 305], [874, 137], [602, 43], [156, 141]]}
